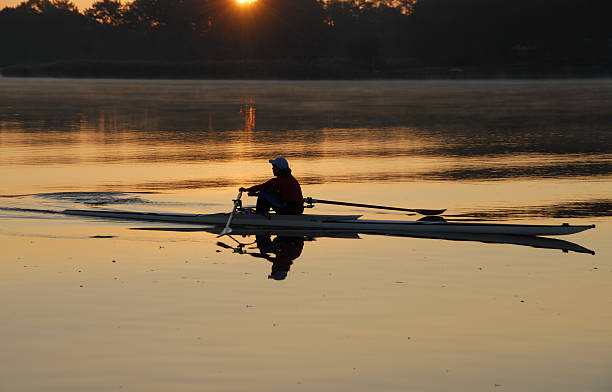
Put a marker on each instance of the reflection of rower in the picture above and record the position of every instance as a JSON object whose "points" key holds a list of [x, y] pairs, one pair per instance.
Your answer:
{"points": [[280, 252], [284, 249]]}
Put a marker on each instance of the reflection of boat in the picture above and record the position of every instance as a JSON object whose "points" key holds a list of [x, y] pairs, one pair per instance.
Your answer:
{"points": [[310, 235], [245, 218], [533, 241]]}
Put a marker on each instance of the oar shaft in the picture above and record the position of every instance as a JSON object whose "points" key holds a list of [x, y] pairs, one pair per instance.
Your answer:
{"points": [[310, 200], [227, 229], [343, 203]]}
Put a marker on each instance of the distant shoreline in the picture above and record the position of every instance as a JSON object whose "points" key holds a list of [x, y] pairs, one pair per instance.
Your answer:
{"points": [[333, 69]]}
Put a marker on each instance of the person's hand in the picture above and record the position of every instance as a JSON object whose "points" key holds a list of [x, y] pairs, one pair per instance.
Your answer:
{"points": [[242, 189]]}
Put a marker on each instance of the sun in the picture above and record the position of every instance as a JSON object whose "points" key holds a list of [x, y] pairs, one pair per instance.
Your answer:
{"points": [[246, 2]]}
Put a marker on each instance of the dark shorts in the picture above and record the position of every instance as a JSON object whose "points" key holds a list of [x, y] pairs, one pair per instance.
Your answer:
{"points": [[290, 209], [270, 200]]}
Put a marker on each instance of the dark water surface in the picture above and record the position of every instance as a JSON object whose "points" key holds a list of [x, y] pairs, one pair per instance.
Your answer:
{"points": [[99, 305]]}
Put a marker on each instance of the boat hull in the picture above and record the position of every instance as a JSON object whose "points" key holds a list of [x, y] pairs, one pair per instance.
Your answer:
{"points": [[338, 222]]}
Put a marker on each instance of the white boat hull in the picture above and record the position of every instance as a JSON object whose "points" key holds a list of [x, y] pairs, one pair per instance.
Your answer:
{"points": [[339, 222]]}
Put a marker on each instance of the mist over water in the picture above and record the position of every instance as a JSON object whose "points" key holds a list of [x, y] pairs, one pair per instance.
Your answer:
{"points": [[468, 131]]}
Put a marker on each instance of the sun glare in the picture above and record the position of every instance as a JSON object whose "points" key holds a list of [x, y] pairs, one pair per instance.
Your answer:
{"points": [[246, 2]]}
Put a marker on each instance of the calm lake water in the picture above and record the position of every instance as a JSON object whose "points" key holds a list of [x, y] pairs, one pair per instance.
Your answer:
{"points": [[96, 305]]}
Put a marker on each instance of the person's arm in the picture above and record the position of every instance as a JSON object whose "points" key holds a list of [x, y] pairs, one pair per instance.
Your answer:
{"points": [[256, 188]]}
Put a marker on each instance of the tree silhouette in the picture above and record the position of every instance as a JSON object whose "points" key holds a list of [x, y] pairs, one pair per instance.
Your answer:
{"points": [[107, 12], [43, 30], [361, 36]]}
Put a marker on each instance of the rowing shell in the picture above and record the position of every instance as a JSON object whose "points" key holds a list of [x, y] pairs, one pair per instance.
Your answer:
{"points": [[338, 222]]}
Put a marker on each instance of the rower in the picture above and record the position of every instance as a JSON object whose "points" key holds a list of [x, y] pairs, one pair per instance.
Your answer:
{"points": [[282, 193]]}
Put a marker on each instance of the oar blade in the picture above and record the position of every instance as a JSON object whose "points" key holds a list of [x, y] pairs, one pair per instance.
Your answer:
{"points": [[429, 212], [221, 244], [226, 231]]}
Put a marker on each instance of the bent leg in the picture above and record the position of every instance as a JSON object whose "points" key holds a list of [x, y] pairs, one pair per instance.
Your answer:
{"points": [[263, 205], [267, 200]]}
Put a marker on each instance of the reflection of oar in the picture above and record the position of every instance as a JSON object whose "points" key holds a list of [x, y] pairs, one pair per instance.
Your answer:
{"points": [[227, 229], [226, 246], [310, 200], [239, 249]]}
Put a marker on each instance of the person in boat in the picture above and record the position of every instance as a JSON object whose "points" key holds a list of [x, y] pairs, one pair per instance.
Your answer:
{"points": [[282, 193]]}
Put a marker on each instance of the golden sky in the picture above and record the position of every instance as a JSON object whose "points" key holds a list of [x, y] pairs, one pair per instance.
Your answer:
{"points": [[82, 4]]}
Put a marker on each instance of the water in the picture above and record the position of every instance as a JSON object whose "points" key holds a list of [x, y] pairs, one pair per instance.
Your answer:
{"points": [[100, 305]]}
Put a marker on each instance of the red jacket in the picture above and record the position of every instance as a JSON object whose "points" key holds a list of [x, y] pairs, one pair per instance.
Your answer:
{"points": [[287, 186]]}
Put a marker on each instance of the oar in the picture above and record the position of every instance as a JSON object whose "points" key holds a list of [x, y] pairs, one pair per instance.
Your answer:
{"points": [[227, 229], [226, 246], [310, 200]]}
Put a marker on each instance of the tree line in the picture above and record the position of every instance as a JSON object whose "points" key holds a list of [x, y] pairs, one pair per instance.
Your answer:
{"points": [[360, 34]]}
